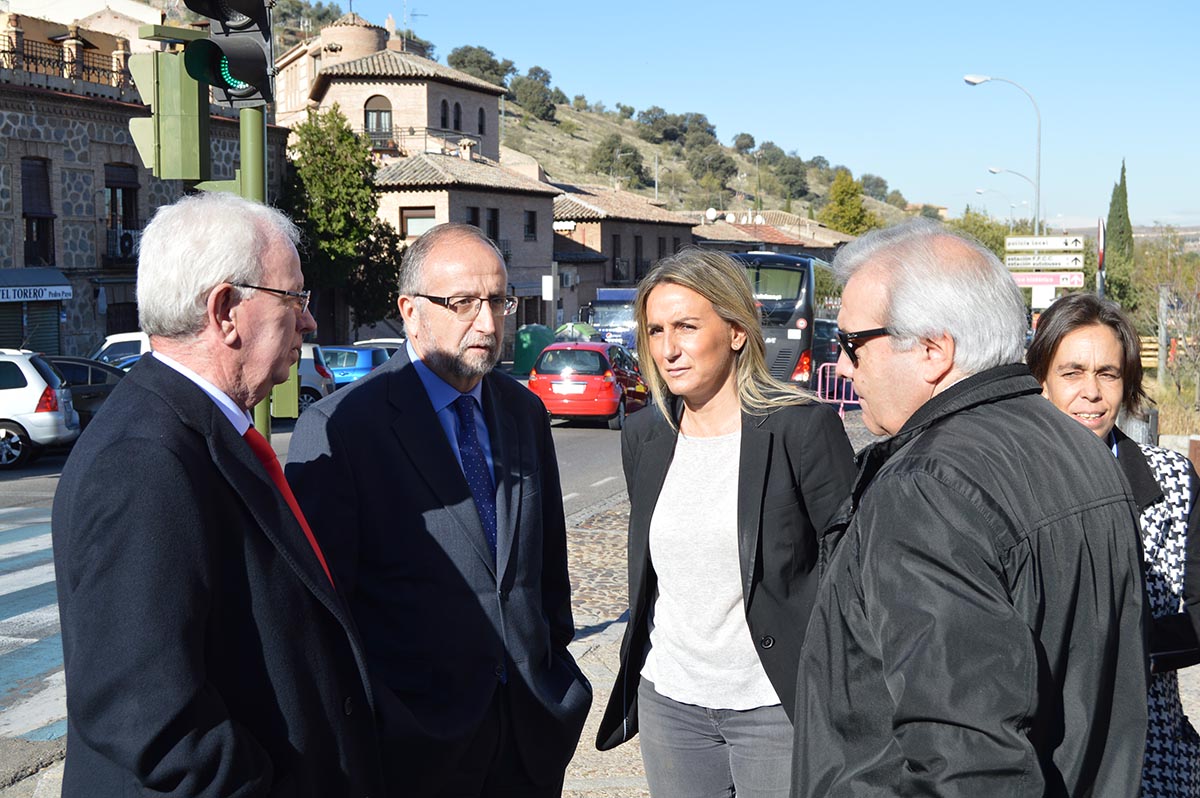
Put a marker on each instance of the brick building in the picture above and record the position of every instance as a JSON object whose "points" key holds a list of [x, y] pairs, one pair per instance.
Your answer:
{"points": [[74, 194]]}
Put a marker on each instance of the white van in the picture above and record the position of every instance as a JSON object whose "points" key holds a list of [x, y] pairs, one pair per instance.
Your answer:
{"points": [[120, 346]]}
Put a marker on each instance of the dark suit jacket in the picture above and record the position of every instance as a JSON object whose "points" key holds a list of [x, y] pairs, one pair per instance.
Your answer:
{"points": [[206, 652], [796, 469], [444, 624]]}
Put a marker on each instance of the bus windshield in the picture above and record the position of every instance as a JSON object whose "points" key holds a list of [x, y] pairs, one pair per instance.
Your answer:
{"points": [[778, 291], [612, 315]]}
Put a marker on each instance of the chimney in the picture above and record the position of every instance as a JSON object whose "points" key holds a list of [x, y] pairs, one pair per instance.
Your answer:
{"points": [[464, 148]]}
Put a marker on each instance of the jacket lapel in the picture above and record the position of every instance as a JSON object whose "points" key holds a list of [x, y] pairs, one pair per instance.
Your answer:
{"points": [[423, 440], [654, 460], [752, 482], [506, 473]]}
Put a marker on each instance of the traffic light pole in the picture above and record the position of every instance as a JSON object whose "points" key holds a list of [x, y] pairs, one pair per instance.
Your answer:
{"points": [[253, 175]]}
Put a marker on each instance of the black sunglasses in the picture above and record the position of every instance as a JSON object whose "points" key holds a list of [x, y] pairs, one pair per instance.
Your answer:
{"points": [[850, 341]]}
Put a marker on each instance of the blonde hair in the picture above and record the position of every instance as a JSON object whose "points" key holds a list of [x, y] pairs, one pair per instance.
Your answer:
{"points": [[723, 282]]}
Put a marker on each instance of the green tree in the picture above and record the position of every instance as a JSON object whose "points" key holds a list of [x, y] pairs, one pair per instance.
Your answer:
{"points": [[533, 96], [771, 153], [613, 157], [540, 75], [1164, 265], [330, 194], [792, 175], [296, 20], [875, 187], [558, 96], [743, 143], [712, 160], [625, 111], [1118, 249], [983, 228], [579, 102], [845, 211], [371, 287], [896, 199], [482, 63]]}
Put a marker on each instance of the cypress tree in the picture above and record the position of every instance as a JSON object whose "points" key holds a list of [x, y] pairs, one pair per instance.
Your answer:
{"points": [[1118, 248]]}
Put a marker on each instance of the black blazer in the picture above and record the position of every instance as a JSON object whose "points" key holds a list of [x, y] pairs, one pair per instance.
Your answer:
{"points": [[206, 652], [445, 624], [796, 470]]}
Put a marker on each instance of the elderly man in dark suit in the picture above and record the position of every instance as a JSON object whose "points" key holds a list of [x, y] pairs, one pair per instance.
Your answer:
{"points": [[207, 651], [433, 488]]}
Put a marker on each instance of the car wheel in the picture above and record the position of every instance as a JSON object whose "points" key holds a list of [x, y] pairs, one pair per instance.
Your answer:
{"points": [[15, 446], [308, 398], [618, 419]]}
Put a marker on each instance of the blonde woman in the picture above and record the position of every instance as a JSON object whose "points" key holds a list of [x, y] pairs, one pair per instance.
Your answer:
{"points": [[732, 476]]}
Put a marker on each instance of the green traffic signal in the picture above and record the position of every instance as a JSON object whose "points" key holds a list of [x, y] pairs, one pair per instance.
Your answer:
{"points": [[237, 58]]}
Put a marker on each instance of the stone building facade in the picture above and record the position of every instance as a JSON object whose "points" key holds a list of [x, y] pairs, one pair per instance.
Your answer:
{"points": [[74, 194]]}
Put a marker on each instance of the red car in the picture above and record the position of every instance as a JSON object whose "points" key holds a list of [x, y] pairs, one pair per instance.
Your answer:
{"points": [[589, 380]]}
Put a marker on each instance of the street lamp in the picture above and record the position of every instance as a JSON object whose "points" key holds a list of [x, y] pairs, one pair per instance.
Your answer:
{"points": [[975, 80], [982, 191], [997, 170]]}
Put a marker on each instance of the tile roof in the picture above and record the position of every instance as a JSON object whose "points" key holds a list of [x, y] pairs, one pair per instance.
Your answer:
{"points": [[352, 20], [395, 64], [721, 230], [595, 203], [768, 234], [808, 230], [430, 170]]}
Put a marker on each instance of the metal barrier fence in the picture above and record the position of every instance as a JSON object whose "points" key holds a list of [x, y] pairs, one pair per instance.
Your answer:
{"points": [[834, 390]]}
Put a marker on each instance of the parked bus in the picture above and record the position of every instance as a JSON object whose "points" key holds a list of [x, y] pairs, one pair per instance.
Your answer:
{"points": [[784, 287]]}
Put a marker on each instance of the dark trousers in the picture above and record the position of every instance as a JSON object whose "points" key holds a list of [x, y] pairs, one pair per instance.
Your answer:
{"points": [[491, 766]]}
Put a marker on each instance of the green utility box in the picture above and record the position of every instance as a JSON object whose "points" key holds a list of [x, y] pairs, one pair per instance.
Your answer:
{"points": [[531, 340]]}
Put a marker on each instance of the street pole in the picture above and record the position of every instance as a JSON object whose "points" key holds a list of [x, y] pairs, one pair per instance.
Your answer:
{"points": [[975, 80]]}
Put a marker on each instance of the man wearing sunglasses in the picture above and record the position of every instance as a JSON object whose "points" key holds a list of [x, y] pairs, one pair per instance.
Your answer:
{"points": [[978, 629], [433, 487], [207, 650]]}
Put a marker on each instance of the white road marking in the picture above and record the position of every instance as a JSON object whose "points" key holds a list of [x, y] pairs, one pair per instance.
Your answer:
{"points": [[41, 709], [30, 577], [27, 546], [601, 482]]}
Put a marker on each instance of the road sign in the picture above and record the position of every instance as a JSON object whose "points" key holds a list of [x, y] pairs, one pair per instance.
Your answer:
{"points": [[1052, 243], [1065, 261], [1055, 279]]}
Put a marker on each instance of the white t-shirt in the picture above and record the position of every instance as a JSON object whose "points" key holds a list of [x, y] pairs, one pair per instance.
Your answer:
{"points": [[701, 650]]}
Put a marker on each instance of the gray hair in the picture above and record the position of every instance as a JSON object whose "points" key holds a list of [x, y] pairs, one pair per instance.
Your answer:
{"points": [[192, 246], [412, 265], [942, 282]]}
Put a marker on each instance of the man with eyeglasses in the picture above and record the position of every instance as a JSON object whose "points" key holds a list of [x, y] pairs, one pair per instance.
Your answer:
{"points": [[978, 628], [207, 650], [433, 488]]}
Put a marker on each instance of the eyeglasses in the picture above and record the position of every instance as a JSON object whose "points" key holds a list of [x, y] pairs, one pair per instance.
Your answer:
{"points": [[467, 307], [850, 341], [302, 297]]}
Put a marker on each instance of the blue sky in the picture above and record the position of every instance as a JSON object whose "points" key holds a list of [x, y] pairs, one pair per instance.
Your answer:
{"points": [[878, 87]]}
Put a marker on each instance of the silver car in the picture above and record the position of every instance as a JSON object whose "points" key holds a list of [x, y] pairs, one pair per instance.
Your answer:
{"points": [[36, 409], [316, 380]]}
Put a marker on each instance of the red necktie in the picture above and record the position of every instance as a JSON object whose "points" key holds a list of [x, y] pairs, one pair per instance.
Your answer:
{"points": [[266, 455]]}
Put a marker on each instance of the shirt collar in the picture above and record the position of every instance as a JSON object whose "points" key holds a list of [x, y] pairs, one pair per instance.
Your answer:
{"points": [[239, 418], [441, 393]]}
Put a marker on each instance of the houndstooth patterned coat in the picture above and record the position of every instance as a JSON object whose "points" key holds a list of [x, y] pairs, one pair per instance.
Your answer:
{"points": [[1165, 486]]}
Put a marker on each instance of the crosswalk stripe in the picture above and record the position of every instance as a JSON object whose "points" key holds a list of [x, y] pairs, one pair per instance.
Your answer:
{"points": [[33, 696], [45, 706], [24, 546], [30, 577]]}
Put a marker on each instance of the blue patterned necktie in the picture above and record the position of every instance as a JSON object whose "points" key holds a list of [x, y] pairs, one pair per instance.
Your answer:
{"points": [[475, 468]]}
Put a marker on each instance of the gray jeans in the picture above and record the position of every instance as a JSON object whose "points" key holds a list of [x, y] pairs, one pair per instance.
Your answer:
{"points": [[695, 752]]}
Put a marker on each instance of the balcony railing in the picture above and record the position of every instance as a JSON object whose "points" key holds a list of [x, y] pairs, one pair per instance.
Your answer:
{"points": [[44, 58], [122, 244], [406, 139]]}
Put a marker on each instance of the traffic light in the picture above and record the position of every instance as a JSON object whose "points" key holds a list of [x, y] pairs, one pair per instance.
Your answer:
{"points": [[237, 58], [173, 140]]}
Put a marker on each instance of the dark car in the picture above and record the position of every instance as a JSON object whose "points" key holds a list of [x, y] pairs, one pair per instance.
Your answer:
{"points": [[91, 382], [825, 342], [349, 363], [588, 380]]}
